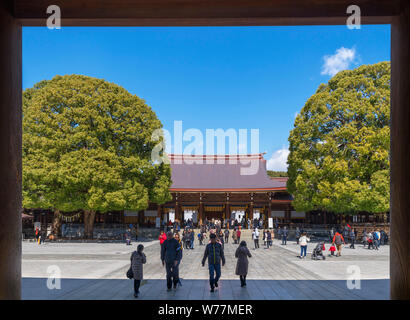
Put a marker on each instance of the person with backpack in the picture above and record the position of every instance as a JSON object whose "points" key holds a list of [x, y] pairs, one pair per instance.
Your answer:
{"points": [[215, 254], [338, 240], [138, 258], [171, 254]]}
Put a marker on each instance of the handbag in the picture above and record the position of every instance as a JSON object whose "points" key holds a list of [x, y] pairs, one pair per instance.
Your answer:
{"points": [[130, 274]]}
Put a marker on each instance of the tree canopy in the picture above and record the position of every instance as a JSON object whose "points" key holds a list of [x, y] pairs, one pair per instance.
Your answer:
{"points": [[87, 146], [275, 174], [339, 147]]}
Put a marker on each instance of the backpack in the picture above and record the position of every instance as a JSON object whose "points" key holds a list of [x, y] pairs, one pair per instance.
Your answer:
{"points": [[375, 236], [338, 239]]}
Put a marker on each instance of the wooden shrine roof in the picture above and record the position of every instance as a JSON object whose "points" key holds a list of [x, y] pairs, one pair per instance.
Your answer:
{"points": [[222, 173]]}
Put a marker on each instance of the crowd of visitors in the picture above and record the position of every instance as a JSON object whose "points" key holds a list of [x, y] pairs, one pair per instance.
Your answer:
{"points": [[172, 246]]}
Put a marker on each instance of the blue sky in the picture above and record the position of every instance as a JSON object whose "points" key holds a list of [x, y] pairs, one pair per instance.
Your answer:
{"points": [[210, 77]]}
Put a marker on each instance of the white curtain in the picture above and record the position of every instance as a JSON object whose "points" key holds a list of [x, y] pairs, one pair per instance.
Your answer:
{"points": [[172, 216], [238, 215]]}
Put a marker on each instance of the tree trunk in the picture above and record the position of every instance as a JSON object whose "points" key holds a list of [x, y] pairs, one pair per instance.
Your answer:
{"points": [[89, 217], [56, 227]]}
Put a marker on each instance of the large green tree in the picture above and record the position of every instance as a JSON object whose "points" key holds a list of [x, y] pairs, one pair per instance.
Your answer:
{"points": [[87, 146], [339, 147]]}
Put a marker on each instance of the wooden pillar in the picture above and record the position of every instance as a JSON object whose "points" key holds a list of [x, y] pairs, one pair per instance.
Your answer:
{"points": [[177, 209], [177, 213], [400, 155], [287, 214], [227, 211], [201, 212], [251, 209], [10, 154]]}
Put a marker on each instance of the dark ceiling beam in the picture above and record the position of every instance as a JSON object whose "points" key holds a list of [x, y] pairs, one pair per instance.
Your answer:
{"points": [[204, 12]]}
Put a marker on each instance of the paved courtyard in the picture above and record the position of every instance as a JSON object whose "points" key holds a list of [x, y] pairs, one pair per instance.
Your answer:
{"points": [[97, 271]]}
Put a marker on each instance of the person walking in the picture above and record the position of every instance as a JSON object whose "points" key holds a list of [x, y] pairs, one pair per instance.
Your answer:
{"points": [[234, 236], [178, 238], [238, 234], [264, 237], [215, 254], [338, 240], [352, 238], [37, 235], [364, 238], [138, 258], [242, 254], [284, 235], [192, 239], [221, 239], [303, 245], [171, 254], [376, 237], [269, 238], [255, 237], [370, 240], [226, 233], [297, 235], [43, 236], [128, 237]]}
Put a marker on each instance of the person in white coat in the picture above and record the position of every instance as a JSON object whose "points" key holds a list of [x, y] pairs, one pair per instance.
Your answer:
{"points": [[303, 240]]}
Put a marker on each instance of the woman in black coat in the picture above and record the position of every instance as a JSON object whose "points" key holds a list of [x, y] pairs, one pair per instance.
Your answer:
{"points": [[242, 254]]}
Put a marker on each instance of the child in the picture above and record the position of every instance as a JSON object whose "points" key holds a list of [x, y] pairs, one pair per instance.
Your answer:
{"points": [[332, 250]]}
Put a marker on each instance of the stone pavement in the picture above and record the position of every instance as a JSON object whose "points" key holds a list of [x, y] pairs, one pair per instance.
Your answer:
{"points": [[97, 271]]}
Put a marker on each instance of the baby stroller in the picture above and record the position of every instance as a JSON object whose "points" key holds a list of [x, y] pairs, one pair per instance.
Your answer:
{"points": [[317, 253]]}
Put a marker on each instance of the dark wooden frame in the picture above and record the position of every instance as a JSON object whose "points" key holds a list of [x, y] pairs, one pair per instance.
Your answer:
{"points": [[15, 14]]}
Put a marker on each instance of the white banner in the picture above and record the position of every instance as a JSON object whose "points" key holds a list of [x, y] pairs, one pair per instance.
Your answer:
{"points": [[270, 223], [171, 216], [279, 214], [256, 214], [129, 213], [150, 213], [297, 214]]}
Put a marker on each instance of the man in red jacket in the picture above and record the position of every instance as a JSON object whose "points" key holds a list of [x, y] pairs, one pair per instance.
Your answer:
{"points": [[238, 234]]}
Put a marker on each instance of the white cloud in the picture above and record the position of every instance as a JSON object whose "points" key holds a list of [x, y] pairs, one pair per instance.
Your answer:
{"points": [[341, 60], [278, 160]]}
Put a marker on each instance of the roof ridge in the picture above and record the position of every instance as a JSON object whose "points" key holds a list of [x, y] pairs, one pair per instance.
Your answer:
{"points": [[217, 156]]}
